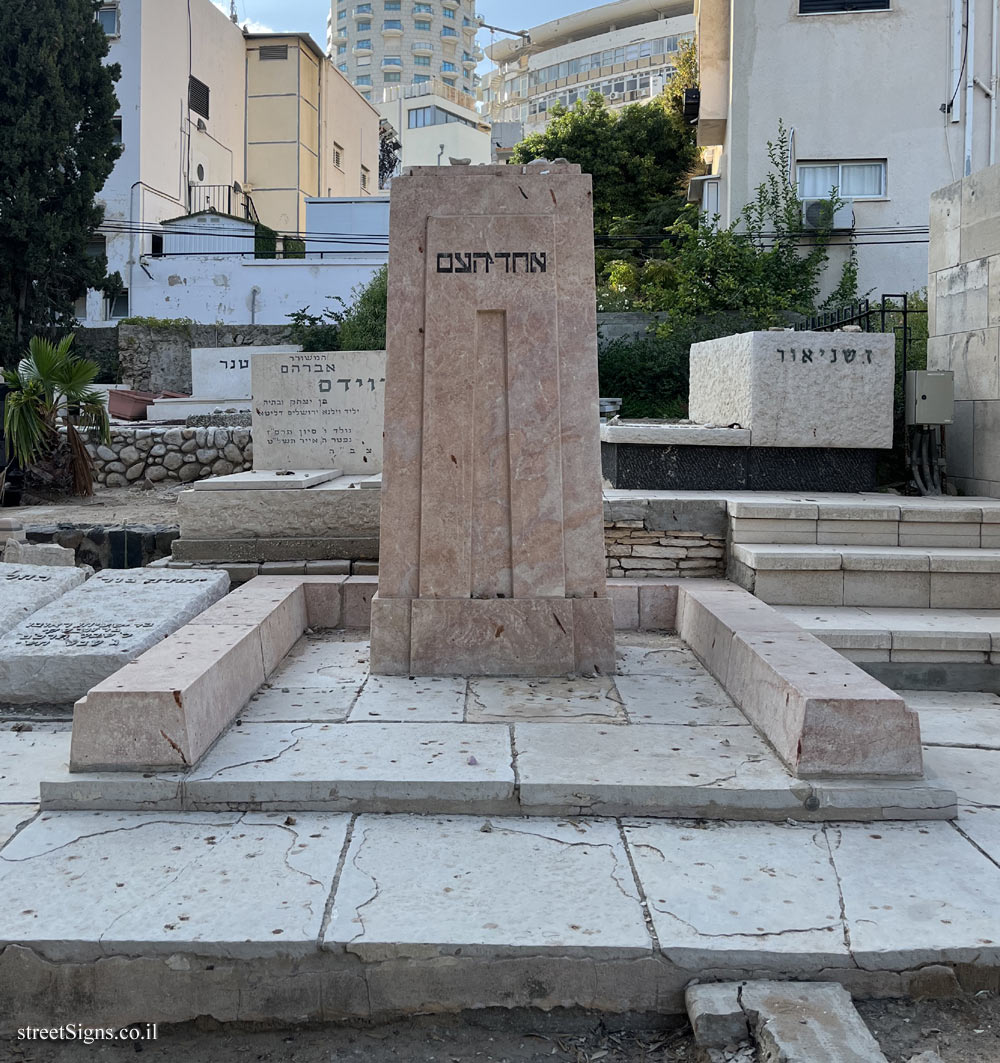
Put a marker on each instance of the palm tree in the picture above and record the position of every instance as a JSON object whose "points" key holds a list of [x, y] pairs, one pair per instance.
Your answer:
{"points": [[51, 388]]}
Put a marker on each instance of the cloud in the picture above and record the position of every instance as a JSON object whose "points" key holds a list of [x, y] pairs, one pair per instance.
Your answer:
{"points": [[251, 24]]}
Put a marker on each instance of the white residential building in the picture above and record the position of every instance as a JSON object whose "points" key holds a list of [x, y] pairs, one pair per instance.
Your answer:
{"points": [[887, 100], [387, 43], [625, 50], [434, 123]]}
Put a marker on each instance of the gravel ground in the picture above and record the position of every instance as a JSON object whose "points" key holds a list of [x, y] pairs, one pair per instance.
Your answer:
{"points": [[108, 506]]}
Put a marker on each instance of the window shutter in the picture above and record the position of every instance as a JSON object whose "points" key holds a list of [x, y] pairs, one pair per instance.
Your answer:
{"points": [[273, 51], [817, 7], [198, 95]]}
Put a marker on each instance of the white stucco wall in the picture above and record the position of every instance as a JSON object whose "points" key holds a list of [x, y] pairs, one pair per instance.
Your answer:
{"points": [[358, 217], [853, 86], [229, 291]]}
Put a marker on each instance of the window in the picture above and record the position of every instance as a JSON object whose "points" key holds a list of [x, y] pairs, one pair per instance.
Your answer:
{"points": [[423, 9], [363, 9], [156, 244], [364, 27], [107, 16], [118, 305], [421, 60], [338, 156], [448, 12], [365, 175], [363, 79], [420, 116], [273, 51], [421, 24], [117, 123], [421, 79], [342, 14], [853, 180], [448, 67], [391, 77], [367, 96], [342, 67], [341, 49], [366, 43], [822, 7], [391, 60], [449, 81], [449, 31], [393, 5], [392, 24], [198, 96]]}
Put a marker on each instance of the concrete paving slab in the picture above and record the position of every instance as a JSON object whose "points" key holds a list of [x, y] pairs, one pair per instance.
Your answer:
{"points": [[76, 886], [644, 654], [422, 699], [27, 757], [974, 774], [315, 660], [914, 896], [421, 887], [581, 699], [956, 719], [762, 895], [664, 699], [982, 825], [804, 1022], [11, 817], [390, 767], [284, 704], [716, 1015]]}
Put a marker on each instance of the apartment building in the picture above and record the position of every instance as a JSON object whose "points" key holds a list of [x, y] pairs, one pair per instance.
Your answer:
{"points": [[379, 44], [435, 123], [886, 100], [625, 50], [210, 119]]}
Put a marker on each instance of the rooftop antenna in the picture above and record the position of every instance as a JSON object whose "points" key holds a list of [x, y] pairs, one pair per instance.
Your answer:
{"points": [[234, 18]]}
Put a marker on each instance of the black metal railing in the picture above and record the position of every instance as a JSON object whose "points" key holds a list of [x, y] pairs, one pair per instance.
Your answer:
{"points": [[223, 199]]}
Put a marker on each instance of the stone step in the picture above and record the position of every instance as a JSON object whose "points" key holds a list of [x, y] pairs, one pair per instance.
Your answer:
{"points": [[145, 917], [914, 577]]}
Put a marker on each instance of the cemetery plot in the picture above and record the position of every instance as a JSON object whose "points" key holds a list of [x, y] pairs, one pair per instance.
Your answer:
{"points": [[60, 651], [26, 588]]}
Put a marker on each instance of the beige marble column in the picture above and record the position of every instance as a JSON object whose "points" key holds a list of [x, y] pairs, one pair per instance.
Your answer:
{"points": [[492, 538]]}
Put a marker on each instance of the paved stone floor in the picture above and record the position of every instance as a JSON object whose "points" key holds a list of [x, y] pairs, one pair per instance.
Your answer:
{"points": [[480, 886]]}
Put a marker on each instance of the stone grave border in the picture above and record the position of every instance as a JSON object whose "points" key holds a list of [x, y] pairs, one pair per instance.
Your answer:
{"points": [[823, 715]]}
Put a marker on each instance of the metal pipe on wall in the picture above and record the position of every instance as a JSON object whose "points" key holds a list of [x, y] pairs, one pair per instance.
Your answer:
{"points": [[994, 81], [970, 82]]}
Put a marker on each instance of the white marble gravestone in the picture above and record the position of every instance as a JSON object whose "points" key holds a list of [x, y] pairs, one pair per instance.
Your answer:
{"points": [[224, 372], [60, 651], [318, 411], [24, 589], [797, 389]]}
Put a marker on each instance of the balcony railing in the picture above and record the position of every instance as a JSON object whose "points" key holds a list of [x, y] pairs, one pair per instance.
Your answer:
{"points": [[223, 199]]}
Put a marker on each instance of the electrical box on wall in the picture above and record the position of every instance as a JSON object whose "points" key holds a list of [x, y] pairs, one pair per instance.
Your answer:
{"points": [[930, 396]]}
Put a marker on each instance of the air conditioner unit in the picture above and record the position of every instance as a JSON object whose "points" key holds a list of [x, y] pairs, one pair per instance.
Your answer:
{"points": [[614, 95], [817, 214]]}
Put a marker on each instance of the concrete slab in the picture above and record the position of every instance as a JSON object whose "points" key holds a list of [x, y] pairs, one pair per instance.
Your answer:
{"points": [[70, 645], [982, 826], [749, 894], [319, 659], [433, 699], [389, 767], [804, 1022], [268, 480], [584, 700], [664, 699], [422, 887], [27, 757], [79, 886], [971, 773], [715, 1013], [916, 896], [281, 704], [640, 654], [24, 589], [11, 817], [956, 719]]}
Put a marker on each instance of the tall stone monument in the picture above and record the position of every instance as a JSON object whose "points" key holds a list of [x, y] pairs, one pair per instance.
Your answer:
{"points": [[492, 545]]}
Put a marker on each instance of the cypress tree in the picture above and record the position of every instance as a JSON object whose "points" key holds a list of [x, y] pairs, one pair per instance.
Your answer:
{"points": [[57, 149]]}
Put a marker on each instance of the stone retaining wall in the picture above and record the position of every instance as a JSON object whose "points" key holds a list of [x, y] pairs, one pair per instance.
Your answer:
{"points": [[100, 546], [170, 453], [651, 537]]}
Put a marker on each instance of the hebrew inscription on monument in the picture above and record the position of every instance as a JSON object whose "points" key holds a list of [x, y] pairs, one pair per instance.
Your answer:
{"points": [[492, 551], [318, 411]]}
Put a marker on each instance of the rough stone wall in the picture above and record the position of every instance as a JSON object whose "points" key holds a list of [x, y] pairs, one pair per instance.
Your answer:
{"points": [[161, 454], [657, 537], [158, 358], [102, 546], [963, 301]]}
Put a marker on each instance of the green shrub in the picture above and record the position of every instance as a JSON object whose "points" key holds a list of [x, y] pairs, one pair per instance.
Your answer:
{"points": [[362, 324], [265, 241], [293, 247]]}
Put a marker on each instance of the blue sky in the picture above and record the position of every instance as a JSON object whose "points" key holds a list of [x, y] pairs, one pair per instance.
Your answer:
{"points": [[310, 15]]}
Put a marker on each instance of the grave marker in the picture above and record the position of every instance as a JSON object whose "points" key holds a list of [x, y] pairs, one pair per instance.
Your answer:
{"points": [[59, 652], [492, 535], [318, 411], [24, 589]]}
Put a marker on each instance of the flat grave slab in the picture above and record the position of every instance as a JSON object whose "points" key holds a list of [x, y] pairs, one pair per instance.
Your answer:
{"points": [[539, 886], [68, 646], [26, 588], [268, 480]]}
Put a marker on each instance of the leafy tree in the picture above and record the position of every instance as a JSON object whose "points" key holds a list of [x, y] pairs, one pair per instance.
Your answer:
{"points": [[57, 149], [358, 327], [389, 148], [637, 156], [52, 387]]}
